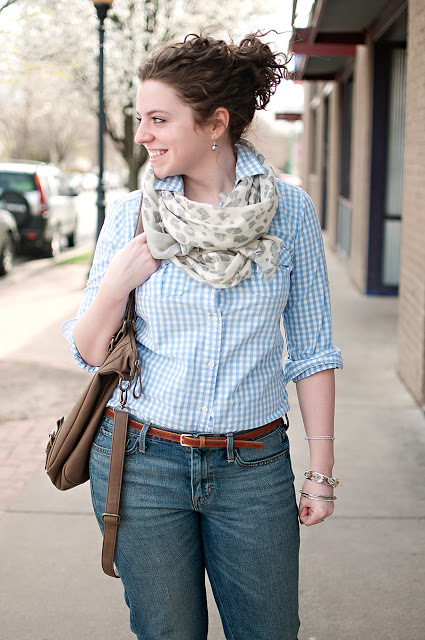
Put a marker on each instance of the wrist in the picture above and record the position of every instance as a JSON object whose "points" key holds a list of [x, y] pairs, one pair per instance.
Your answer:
{"points": [[112, 295], [315, 488], [321, 478], [322, 464]]}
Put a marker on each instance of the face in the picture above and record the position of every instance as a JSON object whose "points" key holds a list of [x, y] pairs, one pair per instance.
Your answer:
{"points": [[167, 128]]}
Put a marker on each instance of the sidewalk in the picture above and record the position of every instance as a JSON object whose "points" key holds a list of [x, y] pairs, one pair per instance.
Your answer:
{"points": [[362, 571]]}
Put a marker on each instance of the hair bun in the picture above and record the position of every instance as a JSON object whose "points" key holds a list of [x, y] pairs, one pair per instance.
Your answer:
{"points": [[267, 68]]}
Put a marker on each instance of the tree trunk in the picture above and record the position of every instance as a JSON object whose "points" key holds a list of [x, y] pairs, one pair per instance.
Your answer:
{"points": [[133, 174], [137, 160]]}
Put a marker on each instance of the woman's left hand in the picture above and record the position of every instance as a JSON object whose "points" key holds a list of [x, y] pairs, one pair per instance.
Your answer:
{"points": [[314, 511]]}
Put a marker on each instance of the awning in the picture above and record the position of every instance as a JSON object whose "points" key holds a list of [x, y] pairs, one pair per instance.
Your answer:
{"points": [[289, 116], [327, 46]]}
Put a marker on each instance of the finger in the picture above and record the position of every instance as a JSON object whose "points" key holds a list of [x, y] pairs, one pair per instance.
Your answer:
{"points": [[312, 514], [141, 237], [302, 514], [309, 522]]}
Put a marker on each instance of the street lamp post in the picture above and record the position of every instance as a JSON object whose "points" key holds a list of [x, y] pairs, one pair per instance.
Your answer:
{"points": [[102, 10]]}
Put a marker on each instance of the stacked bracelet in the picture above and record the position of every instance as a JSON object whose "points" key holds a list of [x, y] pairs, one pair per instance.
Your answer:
{"points": [[321, 478], [314, 496], [320, 437]]}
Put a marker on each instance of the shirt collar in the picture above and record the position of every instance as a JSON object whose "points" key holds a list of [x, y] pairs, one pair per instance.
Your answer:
{"points": [[247, 164]]}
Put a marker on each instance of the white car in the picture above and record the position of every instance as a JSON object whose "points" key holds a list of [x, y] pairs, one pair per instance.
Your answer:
{"points": [[42, 203], [9, 241]]}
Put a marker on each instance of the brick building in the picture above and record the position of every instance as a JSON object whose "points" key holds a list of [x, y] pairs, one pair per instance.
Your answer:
{"points": [[364, 151]]}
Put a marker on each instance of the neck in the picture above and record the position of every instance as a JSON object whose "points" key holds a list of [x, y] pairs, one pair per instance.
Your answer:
{"points": [[219, 177]]}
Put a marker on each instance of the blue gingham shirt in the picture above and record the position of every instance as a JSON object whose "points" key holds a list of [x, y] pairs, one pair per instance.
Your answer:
{"points": [[212, 358]]}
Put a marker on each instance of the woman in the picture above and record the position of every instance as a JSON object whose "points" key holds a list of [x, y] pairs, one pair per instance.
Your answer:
{"points": [[227, 252]]}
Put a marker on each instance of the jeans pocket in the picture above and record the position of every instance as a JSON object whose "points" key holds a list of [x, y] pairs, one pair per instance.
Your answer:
{"points": [[275, 447], [102, 441]]}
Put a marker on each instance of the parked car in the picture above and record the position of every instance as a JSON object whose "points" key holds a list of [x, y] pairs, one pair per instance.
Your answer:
{"points": [[42, 203], [9, 241]]}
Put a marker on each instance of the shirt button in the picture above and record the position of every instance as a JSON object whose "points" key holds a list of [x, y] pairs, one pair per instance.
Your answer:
{"points": [[214, 318], [211, 364], [205, 409]]}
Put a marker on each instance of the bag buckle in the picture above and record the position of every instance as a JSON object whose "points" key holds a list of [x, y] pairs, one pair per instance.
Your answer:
{"points": [[49, 447], [111, 515], [124, 391]]}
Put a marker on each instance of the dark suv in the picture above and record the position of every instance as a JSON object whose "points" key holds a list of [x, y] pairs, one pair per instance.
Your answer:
{"points": [[38, 196]]}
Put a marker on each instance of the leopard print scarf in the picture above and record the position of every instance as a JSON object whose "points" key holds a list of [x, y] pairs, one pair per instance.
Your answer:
{"points": [[215, 245]]}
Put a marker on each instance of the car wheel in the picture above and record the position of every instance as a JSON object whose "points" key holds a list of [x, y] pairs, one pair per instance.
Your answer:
{"points": [[7, 254], [72, 238], [53, 247]]}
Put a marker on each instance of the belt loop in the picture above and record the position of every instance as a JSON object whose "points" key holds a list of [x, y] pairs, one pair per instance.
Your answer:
{"points": [[230, 450], [142, 438]]}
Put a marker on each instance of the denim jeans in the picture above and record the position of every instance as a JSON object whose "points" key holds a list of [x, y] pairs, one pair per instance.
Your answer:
{"points": [[184, 510]]}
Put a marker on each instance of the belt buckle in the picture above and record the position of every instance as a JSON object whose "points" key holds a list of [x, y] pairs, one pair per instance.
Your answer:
{"points": [[185, 435]]}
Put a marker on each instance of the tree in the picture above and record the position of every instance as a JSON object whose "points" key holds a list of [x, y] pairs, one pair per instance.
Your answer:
{"points": [[42, 114], [6, 4]]}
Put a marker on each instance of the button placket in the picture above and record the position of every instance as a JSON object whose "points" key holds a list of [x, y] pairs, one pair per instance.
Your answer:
{"points": [[212, 352]]}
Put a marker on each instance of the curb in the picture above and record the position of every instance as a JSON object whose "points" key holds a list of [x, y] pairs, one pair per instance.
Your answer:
{"points": [[32, 267]]}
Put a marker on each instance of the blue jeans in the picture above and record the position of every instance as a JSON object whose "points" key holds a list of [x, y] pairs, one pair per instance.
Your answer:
{"points": [[183, 510]]}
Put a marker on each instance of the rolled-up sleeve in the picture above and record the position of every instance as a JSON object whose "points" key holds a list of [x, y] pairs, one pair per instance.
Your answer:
{"points": [[117, 231], [67, 331], [307, 315]]}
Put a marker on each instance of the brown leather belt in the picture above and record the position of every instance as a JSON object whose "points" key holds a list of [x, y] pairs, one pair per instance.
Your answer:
{"points": [[244, 439]]}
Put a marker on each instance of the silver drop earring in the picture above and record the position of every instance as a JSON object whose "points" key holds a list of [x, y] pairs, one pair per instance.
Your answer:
{"points": [[214, 146]]}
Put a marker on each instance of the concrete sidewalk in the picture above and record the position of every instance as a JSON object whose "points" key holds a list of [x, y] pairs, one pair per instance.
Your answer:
{"points": [[362, 571]]}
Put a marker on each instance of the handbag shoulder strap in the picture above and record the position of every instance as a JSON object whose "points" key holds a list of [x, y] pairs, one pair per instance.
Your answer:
{"points": [[130, 309], [139, 223], [111, 516]]}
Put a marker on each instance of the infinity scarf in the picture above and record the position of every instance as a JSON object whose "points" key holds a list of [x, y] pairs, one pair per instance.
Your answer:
{"points": [[212, 244]]}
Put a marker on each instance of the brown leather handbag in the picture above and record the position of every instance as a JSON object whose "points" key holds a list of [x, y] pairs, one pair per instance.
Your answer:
{"points": [[68, 448]]}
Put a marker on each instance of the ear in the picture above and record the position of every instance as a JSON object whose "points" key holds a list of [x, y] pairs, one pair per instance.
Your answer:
{"points": [[220, 122]]}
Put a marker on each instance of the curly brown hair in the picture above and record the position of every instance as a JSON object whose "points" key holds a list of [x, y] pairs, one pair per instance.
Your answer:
{"points": [[208, 74]]}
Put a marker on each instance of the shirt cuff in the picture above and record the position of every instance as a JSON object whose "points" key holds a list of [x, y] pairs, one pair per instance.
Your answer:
{"points": [[67, 331], [298, 369]]}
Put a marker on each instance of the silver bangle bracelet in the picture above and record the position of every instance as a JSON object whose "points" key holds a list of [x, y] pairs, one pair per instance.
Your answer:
{"points": [[321, 478], [314, 496], [320, 437]]}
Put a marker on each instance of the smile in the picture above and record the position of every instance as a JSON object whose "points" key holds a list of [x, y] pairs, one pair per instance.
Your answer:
{"points": [[156, 154]]}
